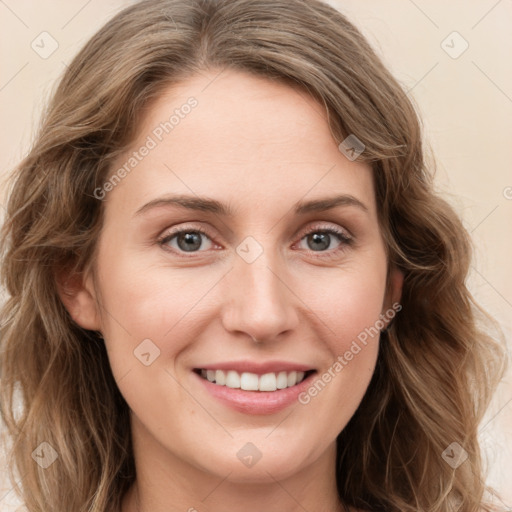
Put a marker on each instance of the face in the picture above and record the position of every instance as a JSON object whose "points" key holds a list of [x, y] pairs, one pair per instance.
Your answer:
{"points": [[241, 249]]}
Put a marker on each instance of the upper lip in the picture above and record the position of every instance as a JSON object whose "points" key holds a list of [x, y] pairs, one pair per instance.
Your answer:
{"points": [[259, 368]]}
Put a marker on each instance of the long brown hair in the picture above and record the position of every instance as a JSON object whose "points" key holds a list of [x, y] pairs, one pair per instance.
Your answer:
{"points": [[436, 368]]}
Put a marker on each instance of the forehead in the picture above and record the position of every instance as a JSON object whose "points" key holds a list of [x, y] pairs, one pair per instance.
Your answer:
{"points": [[240, 137]]}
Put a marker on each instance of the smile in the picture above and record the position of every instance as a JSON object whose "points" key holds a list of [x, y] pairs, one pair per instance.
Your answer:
{"points": [[248, 381]]}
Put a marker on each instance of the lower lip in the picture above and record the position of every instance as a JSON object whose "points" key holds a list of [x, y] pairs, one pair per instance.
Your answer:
{"points": [[256, 402]]}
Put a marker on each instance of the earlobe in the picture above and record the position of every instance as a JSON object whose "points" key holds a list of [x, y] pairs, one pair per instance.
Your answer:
{"points": [[78, 296]]}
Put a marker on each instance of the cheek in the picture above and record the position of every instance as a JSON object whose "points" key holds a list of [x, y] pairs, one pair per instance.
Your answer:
{"points": [[356, 312], [147, 316], [349, 302], [349, 309], [142, 302]]}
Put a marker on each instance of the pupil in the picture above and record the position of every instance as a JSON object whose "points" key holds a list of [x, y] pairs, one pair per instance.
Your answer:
{"points": [[191, 241]]}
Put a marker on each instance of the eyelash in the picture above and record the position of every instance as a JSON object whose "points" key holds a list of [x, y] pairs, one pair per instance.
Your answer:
{"points": [[345, 240]]}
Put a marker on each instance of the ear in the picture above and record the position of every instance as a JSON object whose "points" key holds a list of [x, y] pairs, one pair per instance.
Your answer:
{"points": [[395, 284], [393, 293], [78, 295]]}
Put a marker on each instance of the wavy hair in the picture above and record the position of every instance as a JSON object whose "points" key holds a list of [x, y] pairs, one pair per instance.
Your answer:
{"points": [[437, 366]]}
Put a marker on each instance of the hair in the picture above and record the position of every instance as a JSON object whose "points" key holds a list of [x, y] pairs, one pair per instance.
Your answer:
{"points": [[437, 365]]}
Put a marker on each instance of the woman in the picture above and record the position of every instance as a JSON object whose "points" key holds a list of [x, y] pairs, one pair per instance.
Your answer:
{"points": [[231, 283]]}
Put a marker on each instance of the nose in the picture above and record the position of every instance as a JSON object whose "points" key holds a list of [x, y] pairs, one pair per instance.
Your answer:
{"points": [[258, 301]]}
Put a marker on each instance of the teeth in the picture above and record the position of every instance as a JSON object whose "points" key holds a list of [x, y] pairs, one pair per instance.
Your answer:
{"points": [[253, 382], [268, 382], [282, 380], [232, 379], [220, 378], [249, 381]]}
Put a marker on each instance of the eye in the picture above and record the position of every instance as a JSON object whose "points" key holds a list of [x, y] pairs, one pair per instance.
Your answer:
{"points": [[329, 240], [187, 240]]}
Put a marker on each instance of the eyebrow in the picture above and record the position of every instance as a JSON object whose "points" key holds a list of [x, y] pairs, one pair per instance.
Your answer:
{"points": [[213, 206]]}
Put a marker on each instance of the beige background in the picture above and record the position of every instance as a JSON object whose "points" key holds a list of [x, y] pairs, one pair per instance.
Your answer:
{"points": [[465, 101]]}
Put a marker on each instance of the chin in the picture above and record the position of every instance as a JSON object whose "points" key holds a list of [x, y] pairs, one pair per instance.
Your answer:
{"points": [[249, 464]]}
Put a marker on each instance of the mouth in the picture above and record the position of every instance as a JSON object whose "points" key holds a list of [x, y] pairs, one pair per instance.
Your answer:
{"points": [[248, 381]]}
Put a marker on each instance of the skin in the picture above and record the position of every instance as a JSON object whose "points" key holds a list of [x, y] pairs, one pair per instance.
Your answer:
{"points": [[259, 147]]}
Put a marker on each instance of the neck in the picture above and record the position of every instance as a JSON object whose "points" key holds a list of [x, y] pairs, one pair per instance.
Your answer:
{"points": [[133, 502]]}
